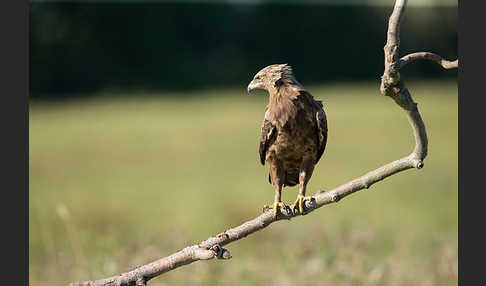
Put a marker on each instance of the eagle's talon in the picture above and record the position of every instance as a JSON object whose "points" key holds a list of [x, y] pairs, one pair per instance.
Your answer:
{"points": [[299, 204], [276, 207]]}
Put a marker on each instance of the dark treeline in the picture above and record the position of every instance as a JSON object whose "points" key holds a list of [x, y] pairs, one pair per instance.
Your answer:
{"points": [[82, 48]]}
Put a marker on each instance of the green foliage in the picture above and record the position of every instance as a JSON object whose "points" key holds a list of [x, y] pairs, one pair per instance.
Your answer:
{"points": [[116, 182], [84, 47]]}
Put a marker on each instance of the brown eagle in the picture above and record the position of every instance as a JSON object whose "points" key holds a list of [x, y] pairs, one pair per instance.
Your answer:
{"points": [[293, 134]]}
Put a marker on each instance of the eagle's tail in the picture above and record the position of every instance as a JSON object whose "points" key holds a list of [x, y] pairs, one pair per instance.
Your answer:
{"points": [[292, 178]]}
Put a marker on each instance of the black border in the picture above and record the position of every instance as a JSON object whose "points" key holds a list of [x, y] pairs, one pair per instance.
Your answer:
{"points": [[14, 63], [471, 144]]}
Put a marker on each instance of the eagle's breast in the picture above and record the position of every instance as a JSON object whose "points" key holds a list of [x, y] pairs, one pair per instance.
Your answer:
{"points": [[296, 137]]}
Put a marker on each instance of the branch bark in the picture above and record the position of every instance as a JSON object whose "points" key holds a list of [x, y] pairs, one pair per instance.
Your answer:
{"points": [[428, 56], [392, 85]]}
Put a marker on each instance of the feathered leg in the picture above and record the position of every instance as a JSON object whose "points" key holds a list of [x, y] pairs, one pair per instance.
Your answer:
{"points": [[277, 203], [304, 177], [277, 179]]}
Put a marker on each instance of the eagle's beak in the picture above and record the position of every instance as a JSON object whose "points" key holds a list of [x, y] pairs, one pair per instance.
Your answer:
{"points": [[254, 84]]}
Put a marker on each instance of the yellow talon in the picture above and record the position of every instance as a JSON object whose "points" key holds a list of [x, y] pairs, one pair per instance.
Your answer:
{"points": [[300, 200], [276, 206]]}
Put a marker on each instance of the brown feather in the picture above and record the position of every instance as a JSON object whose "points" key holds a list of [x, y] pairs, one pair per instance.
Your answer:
{"points": [[268, 134]]}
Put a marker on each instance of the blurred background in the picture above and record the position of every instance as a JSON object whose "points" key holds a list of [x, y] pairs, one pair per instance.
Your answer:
{"points": [[143, 140]]}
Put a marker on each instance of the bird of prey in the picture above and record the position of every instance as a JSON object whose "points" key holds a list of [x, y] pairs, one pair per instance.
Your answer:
{"points": [[293, 134]]}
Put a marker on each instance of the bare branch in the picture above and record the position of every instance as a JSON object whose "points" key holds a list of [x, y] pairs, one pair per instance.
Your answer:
{"points": [[391, 85], [208, 248], [428, 56]]}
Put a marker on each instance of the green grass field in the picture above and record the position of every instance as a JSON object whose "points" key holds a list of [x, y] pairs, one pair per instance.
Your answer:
{"points": [[116, 182]]}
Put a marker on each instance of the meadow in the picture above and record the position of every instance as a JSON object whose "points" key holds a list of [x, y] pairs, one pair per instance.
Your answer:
{"points": [[120, 181]]}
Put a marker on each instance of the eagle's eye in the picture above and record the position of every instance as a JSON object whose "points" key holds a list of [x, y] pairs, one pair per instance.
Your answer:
{"points": [[258, 77]]}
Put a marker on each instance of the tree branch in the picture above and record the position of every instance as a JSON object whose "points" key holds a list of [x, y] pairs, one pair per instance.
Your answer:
{"points": [[428, 56], [391, 85]]}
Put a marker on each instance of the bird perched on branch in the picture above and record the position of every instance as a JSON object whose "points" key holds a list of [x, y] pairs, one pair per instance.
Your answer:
{"points": [[293, 134]]}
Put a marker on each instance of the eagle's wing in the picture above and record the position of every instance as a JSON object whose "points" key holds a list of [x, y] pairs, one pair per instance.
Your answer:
{"points": [[321, 130], [268, 133]]}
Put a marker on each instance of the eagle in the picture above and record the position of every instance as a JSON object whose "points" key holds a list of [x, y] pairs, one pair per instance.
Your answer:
{"points": [[293, 135]]}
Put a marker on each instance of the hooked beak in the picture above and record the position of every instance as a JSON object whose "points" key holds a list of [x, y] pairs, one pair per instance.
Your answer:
{"points": [[255, 84]]}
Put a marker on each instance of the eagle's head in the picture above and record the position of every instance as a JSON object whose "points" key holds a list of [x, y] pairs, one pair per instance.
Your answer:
{"points": [[271, 77]]}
